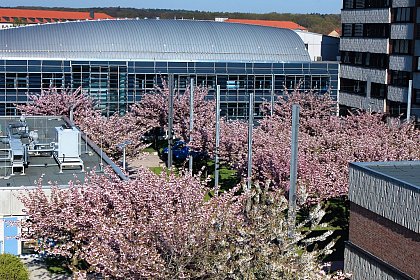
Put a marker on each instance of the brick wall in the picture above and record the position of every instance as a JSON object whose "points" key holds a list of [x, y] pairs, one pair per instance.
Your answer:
{"points": [[388, 241]]}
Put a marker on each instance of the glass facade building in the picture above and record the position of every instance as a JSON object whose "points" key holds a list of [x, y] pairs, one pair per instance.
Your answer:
{"points": [[264, 68]]}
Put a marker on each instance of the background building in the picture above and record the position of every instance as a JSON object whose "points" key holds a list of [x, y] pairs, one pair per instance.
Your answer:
{"points": [[320, 47], [271, 23], [16, 17], [380, 51], [384, 228], [118, 61]]}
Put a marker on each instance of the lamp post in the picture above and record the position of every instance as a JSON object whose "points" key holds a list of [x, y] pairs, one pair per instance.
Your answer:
{"points": [[293, 169], [190, 162], [216, 158], [170, 118], [122, 146]]}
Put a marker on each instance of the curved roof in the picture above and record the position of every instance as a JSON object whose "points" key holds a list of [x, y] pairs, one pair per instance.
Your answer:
{"points": [[161, 40]]}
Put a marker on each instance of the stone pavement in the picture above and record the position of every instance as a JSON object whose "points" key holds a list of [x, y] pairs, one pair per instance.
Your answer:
{"points": [[38, 271], [146, 160]]}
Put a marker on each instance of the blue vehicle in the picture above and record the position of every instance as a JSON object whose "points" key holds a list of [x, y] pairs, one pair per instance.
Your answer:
{"points": [[180, 152]]}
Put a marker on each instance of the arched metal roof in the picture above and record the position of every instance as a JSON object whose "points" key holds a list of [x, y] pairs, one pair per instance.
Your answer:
{"points": [[160, 40]]}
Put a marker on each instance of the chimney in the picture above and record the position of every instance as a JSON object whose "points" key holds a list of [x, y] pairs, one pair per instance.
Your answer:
{"points": [[92, 14]]}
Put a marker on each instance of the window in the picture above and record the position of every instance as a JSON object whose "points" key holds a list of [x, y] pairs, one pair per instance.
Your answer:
{"points": [[400, 78], [360, 4], [371, 60], [377, 60], [358, 58], [377, 3], [402, 15], [348, 4], [353, 86], [358, 30], [378, 90], [376, 30], [416, 97], [347, 30], [401, 46]]}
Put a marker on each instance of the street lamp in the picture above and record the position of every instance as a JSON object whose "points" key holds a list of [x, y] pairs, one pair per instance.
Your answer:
{"points": [[122, 146]]}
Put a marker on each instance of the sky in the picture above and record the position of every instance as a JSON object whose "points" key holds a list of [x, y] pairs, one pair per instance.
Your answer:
{"points": [[254, 6]]}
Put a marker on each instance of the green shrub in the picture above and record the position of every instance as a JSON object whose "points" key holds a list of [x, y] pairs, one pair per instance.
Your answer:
{"points": [[11, 268]]}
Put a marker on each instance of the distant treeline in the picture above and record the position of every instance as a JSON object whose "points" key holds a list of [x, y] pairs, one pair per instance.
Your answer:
{"points": [[319, 23]]}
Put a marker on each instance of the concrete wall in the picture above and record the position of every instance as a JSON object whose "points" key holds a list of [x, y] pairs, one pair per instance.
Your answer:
{"points": [[399, 94], [403, 3], [366, 16], [401, 62], [364, 44], [362, 102], [362, 73], [313, 41], [320, 46], [402, 31], [10, 204]]}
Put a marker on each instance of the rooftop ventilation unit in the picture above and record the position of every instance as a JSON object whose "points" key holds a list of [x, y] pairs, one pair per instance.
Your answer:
{"points": [[67, 151]]}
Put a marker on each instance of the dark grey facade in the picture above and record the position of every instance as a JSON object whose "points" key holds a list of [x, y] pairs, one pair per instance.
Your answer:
{"points": [[384, 226], [118, 61], [380, 50]]}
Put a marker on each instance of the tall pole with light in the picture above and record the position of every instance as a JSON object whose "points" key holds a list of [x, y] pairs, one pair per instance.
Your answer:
{"points": [[190, 163], [250, 127], [123, 146], [216, 158], [170, 118], [293, 170]]}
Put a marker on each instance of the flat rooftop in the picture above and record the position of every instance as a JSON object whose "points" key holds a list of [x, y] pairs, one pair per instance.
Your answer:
{"points": [[407, 172], [43, 164]]}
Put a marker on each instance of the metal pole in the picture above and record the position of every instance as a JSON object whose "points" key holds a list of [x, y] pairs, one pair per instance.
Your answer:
{"points": [[250, 126], [170, 118], [293, 169], [368, 93], [272, 96], [216, 158], [124, 158], [410, 90], [190, 163]]}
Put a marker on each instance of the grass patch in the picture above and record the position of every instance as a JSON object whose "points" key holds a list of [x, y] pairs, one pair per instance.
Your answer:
{"points": [[149, 150], [228, 177], [157, 170]]}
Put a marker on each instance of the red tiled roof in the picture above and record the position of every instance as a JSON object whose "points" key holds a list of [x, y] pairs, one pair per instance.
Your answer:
{"points": [[35, 16], [272, 23]]}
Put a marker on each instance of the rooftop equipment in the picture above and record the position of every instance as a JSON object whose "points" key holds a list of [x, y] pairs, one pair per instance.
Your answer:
{"points": [[67, 151]]}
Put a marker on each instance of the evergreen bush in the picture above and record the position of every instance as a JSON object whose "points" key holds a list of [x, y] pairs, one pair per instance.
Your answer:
{"points": [[11, 268]]}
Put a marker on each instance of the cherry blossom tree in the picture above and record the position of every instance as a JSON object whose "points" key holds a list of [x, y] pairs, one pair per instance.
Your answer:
{"points": [[148, 227], [154, 107], [327, 143], [107, 133], [58, 102], [164, 227]]}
